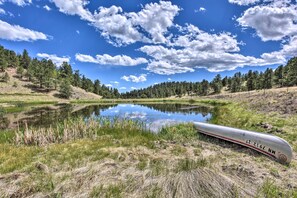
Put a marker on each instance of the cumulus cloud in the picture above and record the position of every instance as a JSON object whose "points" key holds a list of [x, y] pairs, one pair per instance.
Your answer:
{"points": [[133, 88], [270, 22], [122, 88], [47, 8], [18, 33], [122, 28], [198, 49], [17, 2], [136, 79], [114, 24], [108, 85], [288, 49], [74, 7], [56, 59], [156, 18], [105, 59], [244, 2]]}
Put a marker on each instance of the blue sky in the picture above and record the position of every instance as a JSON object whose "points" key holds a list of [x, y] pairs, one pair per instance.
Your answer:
{"points": [[133, 44]]}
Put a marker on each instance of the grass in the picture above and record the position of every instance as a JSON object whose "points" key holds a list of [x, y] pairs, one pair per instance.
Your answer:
{"points": [[78, 142], [189, 164], [240, 116], [271, 190], [111, 191]]}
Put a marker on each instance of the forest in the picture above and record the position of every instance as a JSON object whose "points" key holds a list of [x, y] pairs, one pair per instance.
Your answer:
{"points": [[282, 76], [47, 76]]}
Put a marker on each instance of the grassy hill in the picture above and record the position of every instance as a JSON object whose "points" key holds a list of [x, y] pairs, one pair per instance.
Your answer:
{"points": [[20, 89]]}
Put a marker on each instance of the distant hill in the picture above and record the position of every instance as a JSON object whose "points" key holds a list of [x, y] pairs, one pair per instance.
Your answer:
{"points": [[23, 87]]}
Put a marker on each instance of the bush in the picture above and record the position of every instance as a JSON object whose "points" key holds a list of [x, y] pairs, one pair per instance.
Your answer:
{"points": [[15, 84], [6, 77]]}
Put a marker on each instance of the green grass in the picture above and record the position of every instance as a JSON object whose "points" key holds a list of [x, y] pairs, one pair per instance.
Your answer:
{"points": [[239, 116], [111, 191], [270, 190]]}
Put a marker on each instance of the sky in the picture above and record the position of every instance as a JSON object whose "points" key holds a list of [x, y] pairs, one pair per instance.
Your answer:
{"points": [[132, 44]]}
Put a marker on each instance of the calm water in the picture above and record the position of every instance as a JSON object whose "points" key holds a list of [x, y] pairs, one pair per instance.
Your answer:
{"points": [[153, 115]]}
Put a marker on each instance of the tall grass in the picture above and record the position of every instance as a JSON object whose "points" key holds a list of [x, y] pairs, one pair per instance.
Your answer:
{"points": [[73, 129]]}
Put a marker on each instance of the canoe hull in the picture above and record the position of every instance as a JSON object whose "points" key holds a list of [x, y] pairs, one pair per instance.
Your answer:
{"points": [[269, 145]]}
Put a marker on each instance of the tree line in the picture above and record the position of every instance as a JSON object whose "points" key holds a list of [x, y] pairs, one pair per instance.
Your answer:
{"points": [[282, 76], [47, 76]]}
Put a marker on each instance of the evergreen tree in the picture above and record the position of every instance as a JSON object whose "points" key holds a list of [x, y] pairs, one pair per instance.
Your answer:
{"points": [[66, 71], [3, 63], [278, 76], [217, 84], [76, 79], [250, 81], [97, 87], [292, 72], [25, 60], [65, 89], [267, 83]]}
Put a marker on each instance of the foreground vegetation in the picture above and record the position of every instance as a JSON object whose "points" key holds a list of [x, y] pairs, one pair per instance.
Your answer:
{"points": [[120, 158]]}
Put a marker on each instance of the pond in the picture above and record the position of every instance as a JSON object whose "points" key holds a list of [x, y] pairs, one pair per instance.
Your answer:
{"points": [[155, 116]]}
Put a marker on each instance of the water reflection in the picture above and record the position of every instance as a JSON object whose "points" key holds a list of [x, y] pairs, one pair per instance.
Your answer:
{"points": [[154, 115]]}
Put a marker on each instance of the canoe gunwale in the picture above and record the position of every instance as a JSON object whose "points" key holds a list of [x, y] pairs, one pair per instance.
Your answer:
{"points": [[237, 142]]}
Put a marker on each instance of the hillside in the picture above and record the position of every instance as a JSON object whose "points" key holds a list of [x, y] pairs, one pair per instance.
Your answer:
{"points": [[27, 91]]}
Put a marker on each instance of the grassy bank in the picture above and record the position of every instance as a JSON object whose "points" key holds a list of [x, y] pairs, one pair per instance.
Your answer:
{"points": [[119, 158]]}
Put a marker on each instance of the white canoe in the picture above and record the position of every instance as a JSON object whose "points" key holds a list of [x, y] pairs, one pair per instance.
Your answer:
{"points": [[270, 145]]}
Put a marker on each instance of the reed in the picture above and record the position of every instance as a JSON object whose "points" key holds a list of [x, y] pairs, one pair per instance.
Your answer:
{"points": [[74, 129]]}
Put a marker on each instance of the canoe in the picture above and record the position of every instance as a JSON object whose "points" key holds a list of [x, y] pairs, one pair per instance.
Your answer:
{"points": [[269, 145]]}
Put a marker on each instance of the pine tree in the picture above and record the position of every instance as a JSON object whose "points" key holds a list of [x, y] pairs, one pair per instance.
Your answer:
{"points": [[25, 60], [3, 64], [97, 87], [65, 89], [292, 72], [250, 81], [216, 84]]}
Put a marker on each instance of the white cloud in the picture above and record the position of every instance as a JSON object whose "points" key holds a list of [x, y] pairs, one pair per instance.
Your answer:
{"points": [[115, 82], [122, 28], [289, 49], [108, 85], [77, 31], [156, 18], [136, 79], [244, 2], [169, 79], [198, 49], [74, 7], [133, 88], [47, 8], [112, 23], [122, 88], [201, 9], [56, 59], [17, 2], [2, 11], [18, 33], [105, 59], [270, 22]]}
